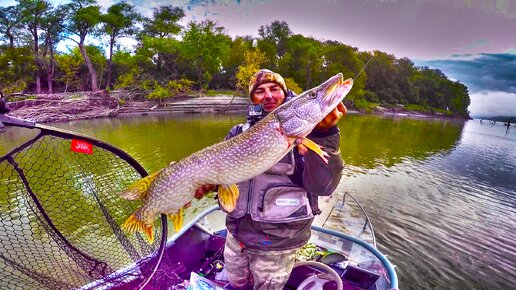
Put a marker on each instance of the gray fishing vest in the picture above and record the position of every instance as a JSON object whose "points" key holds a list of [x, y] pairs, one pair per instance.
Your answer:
{"points": [[272, 197]]}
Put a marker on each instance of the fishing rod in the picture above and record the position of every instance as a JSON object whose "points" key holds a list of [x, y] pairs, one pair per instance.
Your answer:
{"points": [[363, 68]]}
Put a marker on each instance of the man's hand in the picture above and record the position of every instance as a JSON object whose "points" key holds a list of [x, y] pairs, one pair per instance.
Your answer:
{"points": [[201, 191], [332, 118]]}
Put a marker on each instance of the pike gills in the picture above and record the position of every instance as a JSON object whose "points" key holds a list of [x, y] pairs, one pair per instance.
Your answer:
{"points": [[235, 160]]}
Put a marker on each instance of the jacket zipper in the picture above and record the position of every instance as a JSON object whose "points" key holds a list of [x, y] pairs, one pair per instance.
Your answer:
{"points": [[249, 192]]}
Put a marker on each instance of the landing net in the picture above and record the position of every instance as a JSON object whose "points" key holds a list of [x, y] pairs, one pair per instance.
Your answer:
{"points": [[61, 216]]}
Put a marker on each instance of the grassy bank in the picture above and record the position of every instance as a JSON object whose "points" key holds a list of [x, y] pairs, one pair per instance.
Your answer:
{"points": [[88, 105], [412, 109]]}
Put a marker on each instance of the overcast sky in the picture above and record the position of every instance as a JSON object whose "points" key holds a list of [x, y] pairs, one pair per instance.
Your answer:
{"points": [[413, 28], [473, 41], [491, 80]]}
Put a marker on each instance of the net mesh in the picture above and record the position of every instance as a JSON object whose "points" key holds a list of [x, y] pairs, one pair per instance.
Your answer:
{"points": [[61, 215]]}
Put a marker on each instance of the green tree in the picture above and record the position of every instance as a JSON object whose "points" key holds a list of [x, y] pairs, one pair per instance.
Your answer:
{"points": [[164, 22], [69, 65], [119, 22], [158, 57], [460, 100], [293, 86], [405, 81], [123, 62], [253, 60], [443, 94], [204, 46], [338, 57], [302, 60], [270, 51], [277, 33], [75, 73], [32, 12], [10, 19], [235, 58], [381, 78], [52, 27], [82, 20], [158, 46], [17, 66], [98, 60], [428, 81]]}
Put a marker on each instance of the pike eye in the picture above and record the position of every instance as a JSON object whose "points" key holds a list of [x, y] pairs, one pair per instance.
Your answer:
{"points": [[313, 95]]}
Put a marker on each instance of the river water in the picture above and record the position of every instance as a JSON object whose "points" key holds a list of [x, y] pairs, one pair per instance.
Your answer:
{"points": [[441, 194]]}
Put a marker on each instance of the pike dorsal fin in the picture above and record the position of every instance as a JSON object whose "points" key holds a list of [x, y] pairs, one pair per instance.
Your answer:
{"points": [[139, 189]]}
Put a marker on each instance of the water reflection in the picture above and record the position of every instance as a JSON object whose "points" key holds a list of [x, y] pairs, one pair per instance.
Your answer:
{"points": [[447, 221], [156, 140], [366, 142], [374, 141], [440, 193], [471, 161], [11, 137]]}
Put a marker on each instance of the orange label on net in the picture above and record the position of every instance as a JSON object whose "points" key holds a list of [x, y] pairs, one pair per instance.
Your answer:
{"points": [[80, 146]]}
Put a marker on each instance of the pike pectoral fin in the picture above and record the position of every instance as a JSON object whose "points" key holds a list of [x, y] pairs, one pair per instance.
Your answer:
{"points": [[177, 219], [228, 196], [133, 224], [140, 188], [315, 148]]}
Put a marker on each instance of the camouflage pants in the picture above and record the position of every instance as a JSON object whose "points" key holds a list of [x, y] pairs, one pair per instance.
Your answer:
{"points": [[262, 269]]}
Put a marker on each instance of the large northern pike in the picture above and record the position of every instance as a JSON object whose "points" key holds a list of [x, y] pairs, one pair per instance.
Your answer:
{"points": [[235, 160]]}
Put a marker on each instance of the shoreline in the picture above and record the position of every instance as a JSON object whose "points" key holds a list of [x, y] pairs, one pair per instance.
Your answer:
{"points": [[83, 106]]}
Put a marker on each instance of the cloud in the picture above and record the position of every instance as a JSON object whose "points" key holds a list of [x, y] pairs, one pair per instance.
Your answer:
{"points": [[490, 104], [477, 44], [105, 4], [490, 78], [480, 72]]}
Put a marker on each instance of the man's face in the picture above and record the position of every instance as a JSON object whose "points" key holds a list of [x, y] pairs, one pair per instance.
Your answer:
{"points": [[269, 95]]}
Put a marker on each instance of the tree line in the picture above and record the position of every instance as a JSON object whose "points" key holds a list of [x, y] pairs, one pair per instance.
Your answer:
{"points": [[169, 58]]}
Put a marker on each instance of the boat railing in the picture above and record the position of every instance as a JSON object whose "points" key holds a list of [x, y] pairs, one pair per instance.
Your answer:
{"points": [[367, 222], [391, 273]]}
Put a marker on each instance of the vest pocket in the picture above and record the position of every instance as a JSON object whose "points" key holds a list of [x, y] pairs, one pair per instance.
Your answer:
{"points": [[280, 203]]}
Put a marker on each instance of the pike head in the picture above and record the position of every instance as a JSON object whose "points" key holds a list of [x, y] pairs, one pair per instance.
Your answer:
{"points": [[301, 114]]}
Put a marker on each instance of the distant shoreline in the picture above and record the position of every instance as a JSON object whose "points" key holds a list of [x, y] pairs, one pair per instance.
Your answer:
{"points": [[87, 105]]}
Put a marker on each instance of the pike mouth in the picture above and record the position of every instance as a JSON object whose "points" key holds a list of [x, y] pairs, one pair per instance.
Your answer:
{"points": [[334, 89]]}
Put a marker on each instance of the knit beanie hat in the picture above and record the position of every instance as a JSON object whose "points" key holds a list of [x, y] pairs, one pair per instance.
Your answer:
{"points": [[266, 76]]}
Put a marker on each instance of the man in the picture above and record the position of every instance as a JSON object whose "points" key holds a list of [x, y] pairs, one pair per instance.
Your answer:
{"points": [[3, 105], [275, 210]]}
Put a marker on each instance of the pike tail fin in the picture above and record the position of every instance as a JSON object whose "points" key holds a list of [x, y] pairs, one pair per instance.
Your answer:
{"points": [[139, 189], [228, 196], [315, 148], [133, 224], [177, 219]]}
